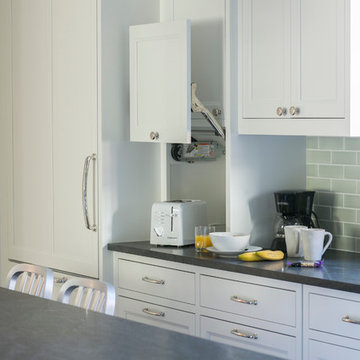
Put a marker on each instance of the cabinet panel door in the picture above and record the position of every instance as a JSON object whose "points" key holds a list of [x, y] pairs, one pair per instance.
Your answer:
{"points": [[247, 337], [318, 58], [320, 351], [74, 49], [160, 99], [264, 31], [156, 315], [157, 280], [54, 129], [258, 302], [32, 130]]}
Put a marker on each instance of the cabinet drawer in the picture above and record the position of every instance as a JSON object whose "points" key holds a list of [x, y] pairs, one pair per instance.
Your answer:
{"points": [[256, 301], [263, 341], [333, 315], [156, 280], [320, 351], [156, 315]]}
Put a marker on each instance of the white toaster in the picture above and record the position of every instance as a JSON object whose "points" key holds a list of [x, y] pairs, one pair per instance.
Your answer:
{"points": [[173, 222]]}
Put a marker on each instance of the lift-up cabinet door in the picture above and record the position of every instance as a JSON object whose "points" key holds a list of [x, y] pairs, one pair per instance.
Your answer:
{"points": [[160, 88]]}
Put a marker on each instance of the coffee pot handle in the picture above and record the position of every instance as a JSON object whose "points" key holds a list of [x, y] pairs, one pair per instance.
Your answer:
{"points": [[328, 242]]}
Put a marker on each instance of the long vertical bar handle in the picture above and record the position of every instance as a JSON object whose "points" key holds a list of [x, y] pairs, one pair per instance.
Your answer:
{"points": [[84, 191]]}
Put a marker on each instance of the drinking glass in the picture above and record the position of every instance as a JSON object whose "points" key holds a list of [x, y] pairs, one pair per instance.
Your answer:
{"points": [[202, 237]]}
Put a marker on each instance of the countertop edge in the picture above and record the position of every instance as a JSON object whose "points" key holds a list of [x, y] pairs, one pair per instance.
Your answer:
{"points": [[235, 268]]}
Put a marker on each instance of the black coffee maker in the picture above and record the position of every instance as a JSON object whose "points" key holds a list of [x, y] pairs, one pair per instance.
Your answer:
{"points": [[293, 208]]}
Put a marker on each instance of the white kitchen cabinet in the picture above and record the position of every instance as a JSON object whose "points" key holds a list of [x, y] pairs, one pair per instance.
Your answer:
{"points": [[292, 67], [158, 281], [248, 337], [211, 303], [251, 313], [156, 315], [155, 293], [160, 78], [331, 324], [319, 351], [55, 127], [247, 299], [64, 70]]}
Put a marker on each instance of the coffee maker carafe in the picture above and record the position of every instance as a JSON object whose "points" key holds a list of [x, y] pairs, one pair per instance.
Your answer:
{"points": [[293, 208]]}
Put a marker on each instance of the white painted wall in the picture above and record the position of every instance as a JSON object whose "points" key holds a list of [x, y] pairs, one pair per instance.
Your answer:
{"points": [[127, 188], [201, 180], [256, 165], [5, 129]]}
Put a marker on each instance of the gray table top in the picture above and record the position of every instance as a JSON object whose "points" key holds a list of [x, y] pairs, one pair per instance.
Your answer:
{"points": [[341, 270], [37, 329]]}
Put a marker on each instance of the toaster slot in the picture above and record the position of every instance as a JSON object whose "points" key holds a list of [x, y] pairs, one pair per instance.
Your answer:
{"points": [[172, 219]]}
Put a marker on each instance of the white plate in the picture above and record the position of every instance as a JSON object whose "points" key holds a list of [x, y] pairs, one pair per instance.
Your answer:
{"points": [[233, 253]]}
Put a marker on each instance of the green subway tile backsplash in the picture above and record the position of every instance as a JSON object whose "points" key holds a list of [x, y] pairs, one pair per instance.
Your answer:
{"points": [[312, 170], [331, 143], [318, 184], [345, 215], [352, 201], [344, 186], [331, 199], [344, 243], [344, 157], [333, 171], [352, 143], [312, 142], [352, 230], [318, 157], [352, 172]]}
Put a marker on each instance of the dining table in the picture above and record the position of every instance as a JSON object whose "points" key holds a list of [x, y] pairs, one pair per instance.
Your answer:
{"points": [[36, 328]]}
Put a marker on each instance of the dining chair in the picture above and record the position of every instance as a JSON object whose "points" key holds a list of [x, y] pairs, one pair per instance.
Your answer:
{"points": [[31, 279], [89, 294]]}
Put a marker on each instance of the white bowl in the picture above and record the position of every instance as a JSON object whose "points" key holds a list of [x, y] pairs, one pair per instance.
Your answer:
{"points": [[227, 241]]}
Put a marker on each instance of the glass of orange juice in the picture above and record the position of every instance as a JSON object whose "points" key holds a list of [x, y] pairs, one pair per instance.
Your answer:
{"points": [[202, 237]]}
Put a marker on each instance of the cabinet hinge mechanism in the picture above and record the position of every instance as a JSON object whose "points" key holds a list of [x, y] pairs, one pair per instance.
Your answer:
{"points": [[198, 107]]}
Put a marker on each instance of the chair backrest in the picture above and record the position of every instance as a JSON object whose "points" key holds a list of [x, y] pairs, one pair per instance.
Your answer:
{"points": [[89, 294], [31, 279]]}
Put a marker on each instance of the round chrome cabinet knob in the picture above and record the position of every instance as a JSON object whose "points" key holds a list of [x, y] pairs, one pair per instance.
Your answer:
{"points": [[154, 135], [294, 111], [281, 111]]}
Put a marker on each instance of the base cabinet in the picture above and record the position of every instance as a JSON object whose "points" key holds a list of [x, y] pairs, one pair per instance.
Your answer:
{"points": [[319, 351], [262, 315], [331, 324], [156, 315], [273, 317], [248, 337]]}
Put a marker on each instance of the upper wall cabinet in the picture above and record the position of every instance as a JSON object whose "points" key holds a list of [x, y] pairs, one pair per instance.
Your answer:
{"points": [[160, 76], [293, 67]]}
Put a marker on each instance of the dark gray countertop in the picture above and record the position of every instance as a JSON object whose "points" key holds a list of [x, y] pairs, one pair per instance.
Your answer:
{"points": [[341, 270], [37, 329]]}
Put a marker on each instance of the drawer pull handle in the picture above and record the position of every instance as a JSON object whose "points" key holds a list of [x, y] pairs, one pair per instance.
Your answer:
{"points": [[347, 319], [247, 336], [242, 301], [153, 313], [153, 281]]}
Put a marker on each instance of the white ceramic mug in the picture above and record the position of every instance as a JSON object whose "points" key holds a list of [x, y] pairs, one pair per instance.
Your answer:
{"points": [[313, 243], [293, 241]]}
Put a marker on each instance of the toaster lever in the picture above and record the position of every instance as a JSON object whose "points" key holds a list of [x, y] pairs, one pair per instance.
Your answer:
{"points": [[158, 231]]}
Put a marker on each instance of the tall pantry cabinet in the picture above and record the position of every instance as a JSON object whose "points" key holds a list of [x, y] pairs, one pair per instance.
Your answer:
{"points": [[64, 128]]}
